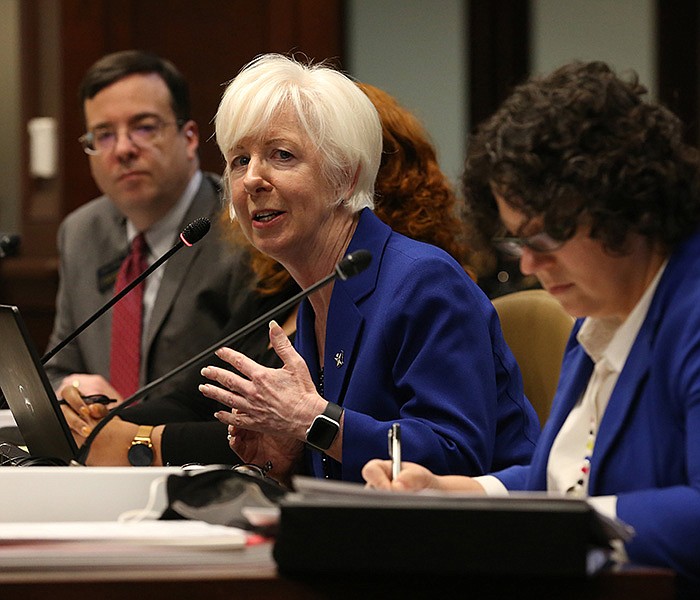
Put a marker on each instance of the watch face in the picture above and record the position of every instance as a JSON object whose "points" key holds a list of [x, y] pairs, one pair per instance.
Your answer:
{"points": [[322, 432], [140, 455]]}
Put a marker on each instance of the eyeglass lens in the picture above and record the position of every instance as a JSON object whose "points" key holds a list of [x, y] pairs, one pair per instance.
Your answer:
{"points": [[142, 133]]}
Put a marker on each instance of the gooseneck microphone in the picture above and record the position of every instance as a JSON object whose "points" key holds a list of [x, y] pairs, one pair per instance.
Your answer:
{"points": [[351, 265], [190, 235]]}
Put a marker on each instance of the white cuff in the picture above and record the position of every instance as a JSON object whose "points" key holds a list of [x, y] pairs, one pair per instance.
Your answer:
{"points": [[605, 505], [492, 485]]}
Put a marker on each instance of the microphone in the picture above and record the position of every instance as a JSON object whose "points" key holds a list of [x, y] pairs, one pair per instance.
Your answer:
{"points": [[190, 235], [351, 265], [9, 244]]}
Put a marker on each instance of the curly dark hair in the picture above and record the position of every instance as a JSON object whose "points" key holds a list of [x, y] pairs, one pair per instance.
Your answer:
{"points": [[412, 195], [582, 145]]}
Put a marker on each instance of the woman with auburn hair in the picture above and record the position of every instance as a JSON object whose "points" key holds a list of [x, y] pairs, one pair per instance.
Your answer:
{"points": [[411, 193]]}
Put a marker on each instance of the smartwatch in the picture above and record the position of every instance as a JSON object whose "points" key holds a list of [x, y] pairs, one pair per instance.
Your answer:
{"points": [[324, 427], [141, 450]]}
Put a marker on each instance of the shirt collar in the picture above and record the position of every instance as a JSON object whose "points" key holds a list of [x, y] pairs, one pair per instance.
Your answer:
{"points": [[611, 340], [160, 236]]}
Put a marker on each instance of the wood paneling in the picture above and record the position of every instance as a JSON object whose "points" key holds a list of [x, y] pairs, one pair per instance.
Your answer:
{"points": [[499, 52], [678, 61], [209, 41]]}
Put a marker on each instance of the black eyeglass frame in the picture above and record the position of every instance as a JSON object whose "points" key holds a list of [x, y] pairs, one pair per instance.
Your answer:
{"points": [[541, 243], [87, 140], [253, 470]]}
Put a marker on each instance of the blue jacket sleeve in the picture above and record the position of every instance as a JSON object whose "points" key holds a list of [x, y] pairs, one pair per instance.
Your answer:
{"points": [[449, 381]]}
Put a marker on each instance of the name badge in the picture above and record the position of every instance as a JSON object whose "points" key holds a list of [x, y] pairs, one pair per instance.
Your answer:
{"points": [[107, 274]]}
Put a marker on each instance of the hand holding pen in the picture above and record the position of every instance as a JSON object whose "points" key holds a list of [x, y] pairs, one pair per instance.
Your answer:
{"points": [[394, 436]]}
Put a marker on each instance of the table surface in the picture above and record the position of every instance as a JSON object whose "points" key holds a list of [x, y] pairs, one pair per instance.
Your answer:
{"points": [[251, 573]]}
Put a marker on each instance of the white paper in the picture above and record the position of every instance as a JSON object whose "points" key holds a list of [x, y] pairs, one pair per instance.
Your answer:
{"points": [[179, 533], [6, 419]]}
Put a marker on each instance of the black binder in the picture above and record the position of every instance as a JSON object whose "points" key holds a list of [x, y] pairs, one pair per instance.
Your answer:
{"points": [[345, 529]]}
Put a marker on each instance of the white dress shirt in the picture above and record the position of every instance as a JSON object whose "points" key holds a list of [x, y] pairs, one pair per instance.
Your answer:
{"points": [[160, 238]]}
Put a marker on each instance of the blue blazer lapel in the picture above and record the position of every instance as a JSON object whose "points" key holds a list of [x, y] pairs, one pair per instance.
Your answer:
{"points": [[342, 337], [345, 320], [625, 394], [629, 386]]}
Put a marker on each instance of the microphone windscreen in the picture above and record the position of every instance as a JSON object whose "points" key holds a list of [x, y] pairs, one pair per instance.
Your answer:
{"points": [[353, 263], [195, 231]]}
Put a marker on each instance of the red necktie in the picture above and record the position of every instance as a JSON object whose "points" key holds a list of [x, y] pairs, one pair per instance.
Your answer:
{"points": [[127, 322]]}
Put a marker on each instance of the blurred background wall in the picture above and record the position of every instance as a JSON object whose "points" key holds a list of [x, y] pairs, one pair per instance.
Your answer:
{"points": [[450, 61]]}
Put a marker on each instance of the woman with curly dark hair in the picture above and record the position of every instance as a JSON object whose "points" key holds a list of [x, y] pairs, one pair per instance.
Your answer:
{"points": [[600, 199]]}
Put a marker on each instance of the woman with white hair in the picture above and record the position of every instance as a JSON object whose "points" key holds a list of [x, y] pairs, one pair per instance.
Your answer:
{"points": [[410, 340]]}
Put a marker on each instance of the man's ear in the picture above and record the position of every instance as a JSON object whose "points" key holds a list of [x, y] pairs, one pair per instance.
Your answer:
{"points": [[191, 131]]}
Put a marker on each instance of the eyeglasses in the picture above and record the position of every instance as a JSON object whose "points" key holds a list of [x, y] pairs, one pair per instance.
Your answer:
{"points": [[254, 470], [513, 246], [143, 133], [245, 468]]}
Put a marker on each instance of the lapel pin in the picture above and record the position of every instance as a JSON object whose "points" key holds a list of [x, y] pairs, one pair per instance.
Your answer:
{"points": [[339, 357]]}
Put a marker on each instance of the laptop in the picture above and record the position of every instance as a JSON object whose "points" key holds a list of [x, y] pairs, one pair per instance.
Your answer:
{"points": [[28, 392]]}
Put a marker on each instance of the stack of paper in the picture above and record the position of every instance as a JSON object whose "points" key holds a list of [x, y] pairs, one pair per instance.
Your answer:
{"points": [[114, 544]]}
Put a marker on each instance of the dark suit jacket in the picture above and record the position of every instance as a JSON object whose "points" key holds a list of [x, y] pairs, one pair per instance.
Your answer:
{"points": [[201, 290], [412, 339], [192, 434], [647, 452]]}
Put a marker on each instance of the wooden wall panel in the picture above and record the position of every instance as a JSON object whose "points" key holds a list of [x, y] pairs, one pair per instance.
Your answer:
{"points": [[499, 52], [678, 61], [209, 41]]}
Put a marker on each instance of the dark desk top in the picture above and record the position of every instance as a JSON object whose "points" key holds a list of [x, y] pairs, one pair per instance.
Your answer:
{"points": [[252, 574]]}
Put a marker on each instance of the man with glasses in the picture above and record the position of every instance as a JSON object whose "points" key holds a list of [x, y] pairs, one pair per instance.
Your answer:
{"points": [[142, 149]]}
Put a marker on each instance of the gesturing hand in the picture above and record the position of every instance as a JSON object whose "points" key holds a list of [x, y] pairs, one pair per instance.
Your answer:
{"points": [[281, 402]]}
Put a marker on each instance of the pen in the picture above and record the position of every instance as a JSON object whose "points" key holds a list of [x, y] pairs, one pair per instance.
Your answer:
{"points": [[394, 435], [93, 399]]}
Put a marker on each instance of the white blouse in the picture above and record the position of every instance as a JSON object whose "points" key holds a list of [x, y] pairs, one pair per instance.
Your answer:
{"points": [[608, 342]]}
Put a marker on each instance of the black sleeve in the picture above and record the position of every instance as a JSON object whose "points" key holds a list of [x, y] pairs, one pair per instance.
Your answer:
{"points": [[192, 434], [203, 443], [184, 404]]}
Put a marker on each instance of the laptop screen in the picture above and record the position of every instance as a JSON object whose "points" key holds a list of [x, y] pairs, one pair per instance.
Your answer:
{"points": [[28, 392]]}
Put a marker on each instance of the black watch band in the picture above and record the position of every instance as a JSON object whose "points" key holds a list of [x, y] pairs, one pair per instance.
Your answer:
{"points": [[325, 427]]}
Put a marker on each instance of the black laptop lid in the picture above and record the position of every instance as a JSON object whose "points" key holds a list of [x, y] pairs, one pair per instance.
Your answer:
{"points": [[28, 392]]}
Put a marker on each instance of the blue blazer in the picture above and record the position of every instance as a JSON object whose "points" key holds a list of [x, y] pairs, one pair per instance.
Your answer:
{"points": [[413, 340], [648, 447]]}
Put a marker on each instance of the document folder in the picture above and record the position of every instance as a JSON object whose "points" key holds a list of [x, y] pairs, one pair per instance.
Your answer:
{"points": [[358, 531]]}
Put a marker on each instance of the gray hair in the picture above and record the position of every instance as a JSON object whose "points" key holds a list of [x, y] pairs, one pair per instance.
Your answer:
{"points": [[339, 119]]}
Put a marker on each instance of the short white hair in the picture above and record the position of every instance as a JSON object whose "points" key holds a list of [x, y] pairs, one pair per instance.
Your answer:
{"points": [[339, 119]]}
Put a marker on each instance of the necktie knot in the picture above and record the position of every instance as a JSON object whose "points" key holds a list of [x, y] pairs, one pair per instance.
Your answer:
{"points": [[139, 248]]}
